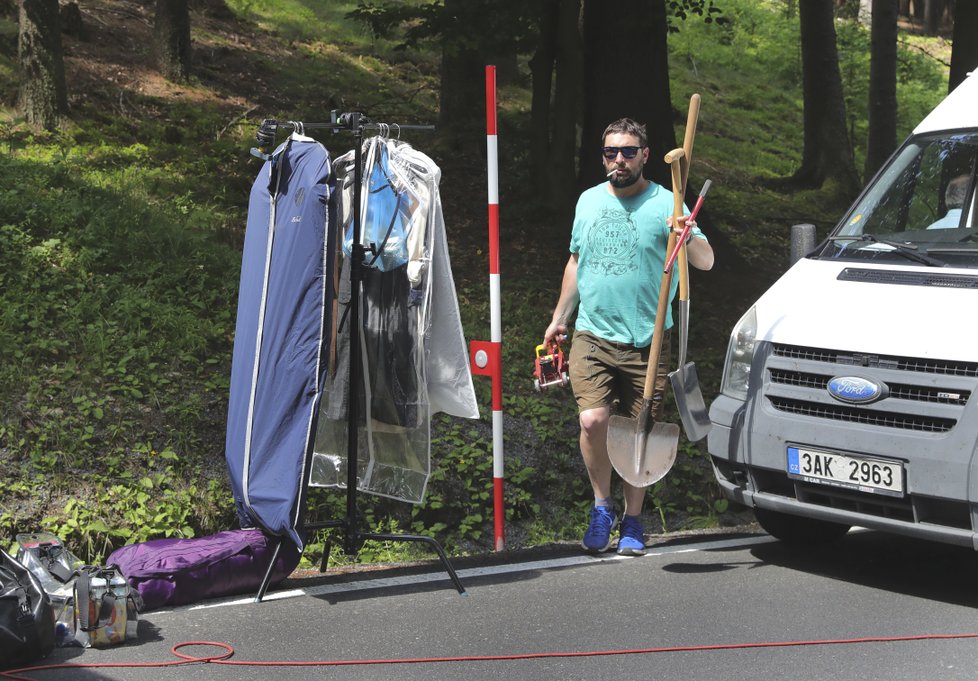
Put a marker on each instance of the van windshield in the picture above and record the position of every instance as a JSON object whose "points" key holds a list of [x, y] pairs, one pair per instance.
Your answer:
{"points": [[919, 210]]}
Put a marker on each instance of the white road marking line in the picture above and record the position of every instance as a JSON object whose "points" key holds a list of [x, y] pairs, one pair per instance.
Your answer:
{"points": [[441, 575]]}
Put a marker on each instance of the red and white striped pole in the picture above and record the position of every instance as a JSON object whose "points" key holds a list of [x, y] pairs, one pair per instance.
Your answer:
{"points": [[486, 357]]}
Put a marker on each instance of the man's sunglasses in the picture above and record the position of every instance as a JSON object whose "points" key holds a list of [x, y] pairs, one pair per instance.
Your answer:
{"points": [[611, 153]]}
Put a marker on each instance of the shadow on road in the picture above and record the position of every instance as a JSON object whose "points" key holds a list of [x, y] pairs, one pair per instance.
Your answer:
{"points": [[902, 565]]}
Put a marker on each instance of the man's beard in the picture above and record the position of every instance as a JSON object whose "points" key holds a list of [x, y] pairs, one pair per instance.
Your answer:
{"points": [[620, 181]]}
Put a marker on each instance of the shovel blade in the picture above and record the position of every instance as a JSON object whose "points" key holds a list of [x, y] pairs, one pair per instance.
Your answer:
{"points": [[689, 401], [640, 451]]}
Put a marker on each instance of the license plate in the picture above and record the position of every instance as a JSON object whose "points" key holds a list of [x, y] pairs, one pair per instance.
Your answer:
{"points": [[878, 476]]}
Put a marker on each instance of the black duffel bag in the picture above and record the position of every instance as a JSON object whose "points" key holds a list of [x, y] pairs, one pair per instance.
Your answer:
{"points": [[26, 616]]}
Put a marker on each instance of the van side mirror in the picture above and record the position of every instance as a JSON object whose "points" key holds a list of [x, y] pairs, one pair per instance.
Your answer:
{"points": [[802, 242]]}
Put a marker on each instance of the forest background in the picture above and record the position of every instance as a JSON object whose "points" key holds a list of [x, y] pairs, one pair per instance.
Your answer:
{"points": [[125, 191]]}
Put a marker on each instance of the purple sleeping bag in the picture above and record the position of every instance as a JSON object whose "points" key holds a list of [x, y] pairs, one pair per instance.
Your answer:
{"points": [[181, 571]]}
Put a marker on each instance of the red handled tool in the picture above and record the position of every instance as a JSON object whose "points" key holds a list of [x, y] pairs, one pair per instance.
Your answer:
{"points": [[688, 226]]}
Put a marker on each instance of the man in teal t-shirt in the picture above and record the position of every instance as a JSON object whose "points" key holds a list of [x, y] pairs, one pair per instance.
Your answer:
{"points": [[613, 275]]}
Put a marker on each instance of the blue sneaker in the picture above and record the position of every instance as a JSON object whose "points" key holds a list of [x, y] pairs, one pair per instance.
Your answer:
{"points": [[598, 536], [631, 541]]}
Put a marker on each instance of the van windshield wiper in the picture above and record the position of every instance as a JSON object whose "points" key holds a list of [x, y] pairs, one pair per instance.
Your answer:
{"points": [[908, 251]]}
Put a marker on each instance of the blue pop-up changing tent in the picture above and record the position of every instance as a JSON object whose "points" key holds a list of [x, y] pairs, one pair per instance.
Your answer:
{"points": [[282, 334]]}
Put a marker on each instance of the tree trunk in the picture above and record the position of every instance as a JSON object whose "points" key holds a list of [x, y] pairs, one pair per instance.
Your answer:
{"points": [[933, 10], [882, 86], [567, 105], [43, 96], [865, 12], [542, 72], [462, 98], [964, 47], [918, 10], [626, 74], [72, 22], [171, 36], [827, 151]]}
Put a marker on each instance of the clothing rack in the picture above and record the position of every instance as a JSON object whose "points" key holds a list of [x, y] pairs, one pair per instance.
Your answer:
{"points": [[353, 536]]}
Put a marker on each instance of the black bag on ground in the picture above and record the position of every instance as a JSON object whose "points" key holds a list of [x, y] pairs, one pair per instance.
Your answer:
{"points": [[26, 617]]}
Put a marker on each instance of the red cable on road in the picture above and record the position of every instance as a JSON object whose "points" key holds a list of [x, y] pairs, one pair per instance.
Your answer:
{"points": [[223, 658]]}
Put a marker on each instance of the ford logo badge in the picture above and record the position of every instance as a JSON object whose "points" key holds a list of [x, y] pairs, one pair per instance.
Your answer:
{"points": [[855, 390]]}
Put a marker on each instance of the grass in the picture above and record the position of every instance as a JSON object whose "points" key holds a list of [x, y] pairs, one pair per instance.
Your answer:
{"points": [[120, 243]]}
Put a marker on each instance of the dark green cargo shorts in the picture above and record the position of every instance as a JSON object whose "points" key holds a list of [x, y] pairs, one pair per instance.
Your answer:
{"points": [[609, 374]]}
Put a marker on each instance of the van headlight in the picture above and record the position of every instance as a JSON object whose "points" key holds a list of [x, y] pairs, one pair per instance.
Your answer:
{"points": [[740, 354]]}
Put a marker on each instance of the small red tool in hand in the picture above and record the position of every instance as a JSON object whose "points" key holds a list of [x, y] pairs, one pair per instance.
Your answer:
{"points": [[551, 367]]}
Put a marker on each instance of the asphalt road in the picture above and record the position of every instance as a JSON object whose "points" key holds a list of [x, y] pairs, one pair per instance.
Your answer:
{"points": [[707, 606]]}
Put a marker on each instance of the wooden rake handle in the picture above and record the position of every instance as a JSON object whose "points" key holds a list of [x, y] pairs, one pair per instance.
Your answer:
{"points": [[678, 182], [692, 119]]}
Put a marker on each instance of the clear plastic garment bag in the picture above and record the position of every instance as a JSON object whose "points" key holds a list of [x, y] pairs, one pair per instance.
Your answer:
{"points": [[413, 353]]}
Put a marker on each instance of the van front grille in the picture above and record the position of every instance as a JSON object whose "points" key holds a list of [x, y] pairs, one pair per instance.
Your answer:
{"points": [[896, 390], [850, 359], [854, 414]]}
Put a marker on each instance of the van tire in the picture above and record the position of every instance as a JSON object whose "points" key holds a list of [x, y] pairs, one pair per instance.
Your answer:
{"points": [[793, 529]]}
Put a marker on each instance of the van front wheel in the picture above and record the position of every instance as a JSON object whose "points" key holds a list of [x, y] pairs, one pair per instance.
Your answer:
{"points": [[793, 529]]}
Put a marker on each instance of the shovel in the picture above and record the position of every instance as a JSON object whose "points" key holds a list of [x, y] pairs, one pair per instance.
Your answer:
{"points": [[685, 381], [640, 450]]}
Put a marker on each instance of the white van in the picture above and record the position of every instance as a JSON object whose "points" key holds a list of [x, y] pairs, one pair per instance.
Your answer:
{"points": [[850, 388]]}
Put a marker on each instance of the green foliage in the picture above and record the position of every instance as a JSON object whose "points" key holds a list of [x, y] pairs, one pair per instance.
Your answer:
{"points": [[115, 308], [683, 9], [853, 44], [921, 82], [295, 19], [417, 23], [493, 27]]}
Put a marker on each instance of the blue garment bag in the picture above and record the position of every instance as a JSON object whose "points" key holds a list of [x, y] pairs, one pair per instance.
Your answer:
{"points": [[281, 337]]}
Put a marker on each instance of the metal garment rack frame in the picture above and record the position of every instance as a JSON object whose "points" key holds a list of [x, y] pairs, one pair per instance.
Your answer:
{"points": [[353, 536]]}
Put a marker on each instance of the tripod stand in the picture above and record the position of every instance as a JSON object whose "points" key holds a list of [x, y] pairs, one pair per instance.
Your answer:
{"points": [[353, 536]]}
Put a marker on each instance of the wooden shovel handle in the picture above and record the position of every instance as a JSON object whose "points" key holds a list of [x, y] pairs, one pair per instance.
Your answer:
{"points": [[683, 266], [674, 159]]}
